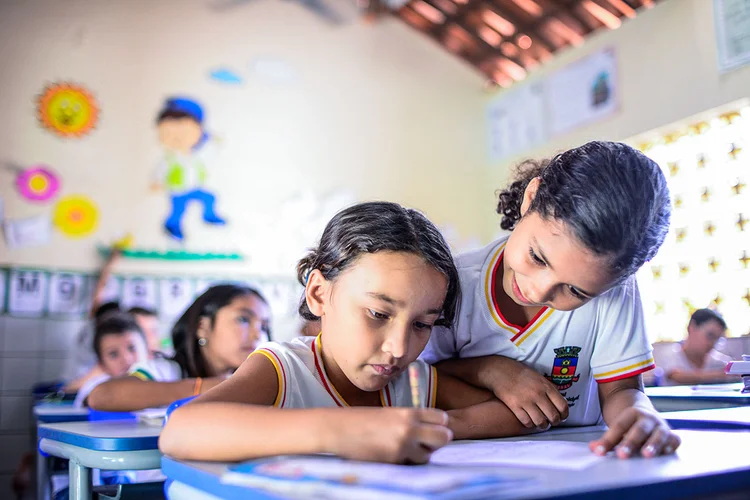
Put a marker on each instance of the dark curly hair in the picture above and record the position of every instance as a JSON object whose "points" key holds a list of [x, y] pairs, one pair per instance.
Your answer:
{"points": [[613, 198], [374, 227]]}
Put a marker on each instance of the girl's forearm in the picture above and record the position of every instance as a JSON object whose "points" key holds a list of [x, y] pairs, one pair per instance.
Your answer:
{"points": [[133, 394], [491, 419], [218, 431]]}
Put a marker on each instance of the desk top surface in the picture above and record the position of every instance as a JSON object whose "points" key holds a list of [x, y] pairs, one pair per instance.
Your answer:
{"points": [[718, 392], [736, 418], [104, 435], [687, 473]]}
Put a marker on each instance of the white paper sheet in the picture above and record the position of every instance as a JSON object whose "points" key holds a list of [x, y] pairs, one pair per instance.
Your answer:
{"points": [[29, 232], [67, 294], [139, 292], [543, 454], [175, 295], [26, 292]]}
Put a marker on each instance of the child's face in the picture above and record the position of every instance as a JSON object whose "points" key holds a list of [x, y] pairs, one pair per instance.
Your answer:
{"points": [[702, 338], [119, 352], [237, 330], [544, 264], [179, 134], [377, 315]]}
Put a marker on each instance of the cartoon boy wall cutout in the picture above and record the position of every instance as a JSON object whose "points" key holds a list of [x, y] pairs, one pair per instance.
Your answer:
{"points": [[183, 169]]}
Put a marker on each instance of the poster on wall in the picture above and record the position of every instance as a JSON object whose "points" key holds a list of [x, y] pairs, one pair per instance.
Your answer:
{"points": [[516, 122], [188, 151], [27, 292], [732, 19], [3, 276], [175, 295], [582, 92], [68, 294], [67, 110], [29, 232], [139, 292]]}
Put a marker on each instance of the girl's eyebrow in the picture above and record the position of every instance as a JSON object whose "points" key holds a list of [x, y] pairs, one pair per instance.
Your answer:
{"points": [[397, 303], [247, 311]]}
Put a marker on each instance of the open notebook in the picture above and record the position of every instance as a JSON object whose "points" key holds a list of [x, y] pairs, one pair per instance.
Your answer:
{"points": [[331, 477]]}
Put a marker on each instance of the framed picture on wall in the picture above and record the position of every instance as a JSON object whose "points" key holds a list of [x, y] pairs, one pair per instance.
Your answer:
{"points": [[732, 19], [3, 278]]}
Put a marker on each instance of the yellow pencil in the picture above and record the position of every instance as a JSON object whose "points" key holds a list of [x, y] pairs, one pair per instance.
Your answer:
{"points": [[416, 399]]}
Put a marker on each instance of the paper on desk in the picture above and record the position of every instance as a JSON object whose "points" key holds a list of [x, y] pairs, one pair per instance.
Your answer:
{"points": [[544, 454]]}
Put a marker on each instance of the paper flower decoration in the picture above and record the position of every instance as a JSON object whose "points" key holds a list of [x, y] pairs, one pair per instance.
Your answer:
{"points": [[76, 216], [37, 183], [68, 110]]}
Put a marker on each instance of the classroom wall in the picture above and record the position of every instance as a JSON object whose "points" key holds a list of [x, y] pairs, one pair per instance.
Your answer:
{"points": [[667, 69], [373, 112], [355, 112]]}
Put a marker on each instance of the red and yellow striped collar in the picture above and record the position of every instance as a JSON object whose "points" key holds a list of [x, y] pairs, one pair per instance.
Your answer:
{"points": [[518, 333], [385, 392]]}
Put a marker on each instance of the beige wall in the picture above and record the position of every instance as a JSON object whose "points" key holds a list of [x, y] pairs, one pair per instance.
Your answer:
{"points": [[667, 66], [378, 110]]}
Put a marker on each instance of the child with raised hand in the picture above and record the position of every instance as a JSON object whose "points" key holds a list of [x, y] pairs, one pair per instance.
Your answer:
{"points": [[211, 339], [381, 277], [559, 295]]}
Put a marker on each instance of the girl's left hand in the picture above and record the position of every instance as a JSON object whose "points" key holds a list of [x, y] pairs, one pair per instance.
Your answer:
{"points": [[637, 432]]}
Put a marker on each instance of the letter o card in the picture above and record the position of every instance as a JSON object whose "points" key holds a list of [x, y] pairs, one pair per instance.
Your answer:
{"points": [[67, 294]]}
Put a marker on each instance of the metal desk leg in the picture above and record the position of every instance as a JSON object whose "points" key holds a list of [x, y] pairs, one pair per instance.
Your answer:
{"points": [[80, 481]]}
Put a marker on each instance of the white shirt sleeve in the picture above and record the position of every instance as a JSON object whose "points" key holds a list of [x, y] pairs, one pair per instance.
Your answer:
{"points": [[157, 370], [89, 386], [622, 348], [442, 345]]}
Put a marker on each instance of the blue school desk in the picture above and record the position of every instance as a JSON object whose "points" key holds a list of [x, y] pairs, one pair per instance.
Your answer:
{"points": [[727, 419], [699, 397], [108, 445], [49, 413], [708, 464]]}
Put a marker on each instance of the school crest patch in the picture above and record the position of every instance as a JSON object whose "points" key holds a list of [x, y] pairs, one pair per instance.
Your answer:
{"points": [[564, 367]]}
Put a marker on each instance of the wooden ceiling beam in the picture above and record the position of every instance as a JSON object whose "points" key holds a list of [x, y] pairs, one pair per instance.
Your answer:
{"points": [[521, 26], [563, 7]]}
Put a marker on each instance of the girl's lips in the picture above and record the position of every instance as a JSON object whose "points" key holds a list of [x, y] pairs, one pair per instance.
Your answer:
{"points": [[519, 295], [385, 370]]}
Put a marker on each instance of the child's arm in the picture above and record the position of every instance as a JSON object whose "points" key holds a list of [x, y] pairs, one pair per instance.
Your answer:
{"points": [[475, 413], [635, 427], [236, 421], [101, 282], [701, 377], [75, 385], [133, 394], [534, 401]]}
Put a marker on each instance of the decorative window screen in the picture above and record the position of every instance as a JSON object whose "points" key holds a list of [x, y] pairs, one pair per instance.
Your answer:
{"points": [[705, 260]]}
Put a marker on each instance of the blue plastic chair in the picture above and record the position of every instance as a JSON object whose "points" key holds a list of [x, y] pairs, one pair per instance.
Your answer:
{"points": [[176, 405]]}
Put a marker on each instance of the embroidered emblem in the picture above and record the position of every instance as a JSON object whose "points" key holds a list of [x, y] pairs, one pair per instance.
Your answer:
{"points": [[564, 367]]}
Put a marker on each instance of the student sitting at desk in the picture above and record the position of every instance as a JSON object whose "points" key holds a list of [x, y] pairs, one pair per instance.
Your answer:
{"points": [[696, 361], [381, 277], [551, 319], [119, 343], [211, 339]]}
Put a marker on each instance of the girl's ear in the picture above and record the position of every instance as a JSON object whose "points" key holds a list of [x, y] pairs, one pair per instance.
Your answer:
{"points": [[316, 292], [204, 328], [529, 194]]}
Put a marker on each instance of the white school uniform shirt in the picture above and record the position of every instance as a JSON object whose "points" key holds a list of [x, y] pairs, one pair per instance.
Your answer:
{"points": [[601, 341], [675, 360], [157, 369], [303, 382]]}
